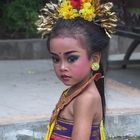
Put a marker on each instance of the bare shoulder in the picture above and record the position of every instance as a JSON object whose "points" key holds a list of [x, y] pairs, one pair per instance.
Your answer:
{"points": [[87, 106], [90, 95]]}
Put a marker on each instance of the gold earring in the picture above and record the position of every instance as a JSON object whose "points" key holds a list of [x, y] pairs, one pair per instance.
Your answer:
{"points": [[95, 66]]}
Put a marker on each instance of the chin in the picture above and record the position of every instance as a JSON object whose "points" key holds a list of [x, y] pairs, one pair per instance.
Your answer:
{"points": [[68, 84]]}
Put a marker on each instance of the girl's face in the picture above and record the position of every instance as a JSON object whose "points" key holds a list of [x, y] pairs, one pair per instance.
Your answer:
{"points": [[70, 60]]}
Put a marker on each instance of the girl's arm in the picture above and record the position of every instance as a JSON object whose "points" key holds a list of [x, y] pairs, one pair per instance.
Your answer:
{"points": [[86, 107]]}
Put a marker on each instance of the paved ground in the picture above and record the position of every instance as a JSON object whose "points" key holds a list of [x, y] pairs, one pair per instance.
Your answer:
{"points": [[29, 90]]}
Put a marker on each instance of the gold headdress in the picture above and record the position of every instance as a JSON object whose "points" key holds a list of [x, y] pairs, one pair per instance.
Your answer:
{"points": [[90, 10]]}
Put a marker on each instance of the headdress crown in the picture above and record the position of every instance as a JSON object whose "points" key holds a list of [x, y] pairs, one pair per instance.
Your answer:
{"points": [[90, 10]]}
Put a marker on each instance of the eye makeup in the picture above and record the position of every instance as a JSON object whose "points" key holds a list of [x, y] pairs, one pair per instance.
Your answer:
{"points": [[55, 59], [69, 57], [72, 58]]}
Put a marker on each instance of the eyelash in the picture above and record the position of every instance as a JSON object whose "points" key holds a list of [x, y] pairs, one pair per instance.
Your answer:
{"points": [[70, 59], [55, 59]]}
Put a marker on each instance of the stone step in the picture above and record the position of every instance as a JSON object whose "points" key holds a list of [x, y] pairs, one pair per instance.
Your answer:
{"points": [[123, 109], [117, 124]]}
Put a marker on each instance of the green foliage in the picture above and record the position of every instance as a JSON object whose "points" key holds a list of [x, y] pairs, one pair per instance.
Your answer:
{"points": [[19, 17], [135, 11]]}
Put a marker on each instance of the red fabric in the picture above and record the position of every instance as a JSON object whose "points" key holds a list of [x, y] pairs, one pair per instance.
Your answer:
{"points": [[53, 137], [97, 76]]}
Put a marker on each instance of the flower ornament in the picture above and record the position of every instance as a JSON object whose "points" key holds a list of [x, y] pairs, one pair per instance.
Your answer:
{"points": [[87, 12], [107, 19], [76, 3], [49, 16], [90, 10], [67, 11]]}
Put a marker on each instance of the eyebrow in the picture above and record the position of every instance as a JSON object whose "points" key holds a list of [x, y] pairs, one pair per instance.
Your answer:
{"points": [[66, 53], [53, 53]]}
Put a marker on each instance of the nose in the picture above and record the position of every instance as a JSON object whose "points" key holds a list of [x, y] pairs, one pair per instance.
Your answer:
{"points": [[63, 66]]}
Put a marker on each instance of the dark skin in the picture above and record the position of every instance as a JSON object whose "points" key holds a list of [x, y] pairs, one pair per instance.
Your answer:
{"points": [[87, 107], [89, 112]]}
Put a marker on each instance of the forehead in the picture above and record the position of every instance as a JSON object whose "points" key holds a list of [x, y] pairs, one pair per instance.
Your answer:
{"points": [[64, 44]]}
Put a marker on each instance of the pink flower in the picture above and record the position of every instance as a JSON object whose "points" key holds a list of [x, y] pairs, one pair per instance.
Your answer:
{"points": [[76, 3]]}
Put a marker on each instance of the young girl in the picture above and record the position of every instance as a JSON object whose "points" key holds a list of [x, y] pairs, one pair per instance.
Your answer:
{"points": [[76, 42]]}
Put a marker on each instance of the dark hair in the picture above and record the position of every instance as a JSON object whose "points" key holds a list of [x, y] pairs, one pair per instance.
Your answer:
{"points": [[92, 37]]}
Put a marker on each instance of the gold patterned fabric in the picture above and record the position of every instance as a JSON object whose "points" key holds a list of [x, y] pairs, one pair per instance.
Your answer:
{"points": [[63, 130]]}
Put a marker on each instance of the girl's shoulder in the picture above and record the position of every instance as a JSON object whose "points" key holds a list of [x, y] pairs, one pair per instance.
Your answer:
{"points": [[89, 103], [90, 94]]}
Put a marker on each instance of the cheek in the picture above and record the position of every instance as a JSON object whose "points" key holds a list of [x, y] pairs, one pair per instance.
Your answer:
{"points": [[82, 67], [56, 69]]}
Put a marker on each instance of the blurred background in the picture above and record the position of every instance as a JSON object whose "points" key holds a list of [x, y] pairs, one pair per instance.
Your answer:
{"points": [[17, 17], [29, 89]]}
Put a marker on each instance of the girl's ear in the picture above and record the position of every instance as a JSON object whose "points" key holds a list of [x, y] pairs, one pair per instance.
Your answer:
{"points": [[96, 57]]}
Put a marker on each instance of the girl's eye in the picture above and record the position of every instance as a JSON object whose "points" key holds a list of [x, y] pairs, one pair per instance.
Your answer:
{"points": [[55, 59], [72, 58]]}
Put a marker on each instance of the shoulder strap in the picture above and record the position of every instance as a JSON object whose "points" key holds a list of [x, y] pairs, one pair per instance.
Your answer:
{"points": [[64, 100]]}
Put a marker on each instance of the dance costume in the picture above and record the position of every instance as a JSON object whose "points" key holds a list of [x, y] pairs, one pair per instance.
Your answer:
{"points": [[61, 129]]}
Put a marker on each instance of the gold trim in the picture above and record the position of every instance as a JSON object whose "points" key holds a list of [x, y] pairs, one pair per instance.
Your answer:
{"points": [[65, 121], [59, 127], [94, 133], [71, 122]]}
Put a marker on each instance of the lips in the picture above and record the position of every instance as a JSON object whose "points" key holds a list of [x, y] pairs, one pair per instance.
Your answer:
{"points": [[65, 77]]}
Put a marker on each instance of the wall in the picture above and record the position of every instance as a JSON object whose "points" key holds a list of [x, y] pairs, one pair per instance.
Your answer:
{"points": [[23, 49], [36, 48]]}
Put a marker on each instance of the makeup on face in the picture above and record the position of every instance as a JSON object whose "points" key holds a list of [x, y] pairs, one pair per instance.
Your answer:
{"points": [[70, 60], [69, 56]]}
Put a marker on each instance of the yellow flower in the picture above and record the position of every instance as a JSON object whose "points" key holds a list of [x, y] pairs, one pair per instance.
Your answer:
{"points": [[84, 1], [87, 12], [66, 11]]}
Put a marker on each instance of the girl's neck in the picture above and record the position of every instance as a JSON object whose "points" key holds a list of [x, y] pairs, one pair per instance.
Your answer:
{"points": [[73, 88]]}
